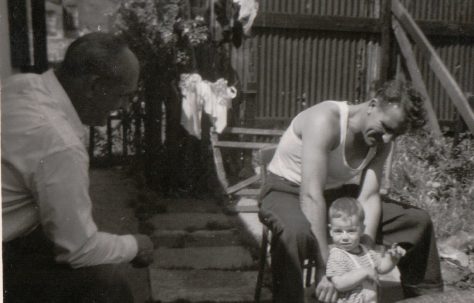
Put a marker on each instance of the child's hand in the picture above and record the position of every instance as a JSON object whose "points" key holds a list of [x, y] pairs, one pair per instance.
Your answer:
{"points": [[396, 251], [372, 275]]}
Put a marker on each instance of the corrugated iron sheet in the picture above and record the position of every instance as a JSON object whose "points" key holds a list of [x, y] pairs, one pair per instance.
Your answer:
{"points": [[441, 10], [288, 70], [348, 8], [459, 59], [298, 69]]}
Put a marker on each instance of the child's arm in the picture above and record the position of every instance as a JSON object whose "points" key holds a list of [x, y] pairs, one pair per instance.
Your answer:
{"points": [[352, 279], [390, 259]]}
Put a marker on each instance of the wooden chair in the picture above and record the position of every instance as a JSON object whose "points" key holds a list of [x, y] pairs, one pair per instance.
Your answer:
{"points": [[240, 138], [264, 156]]}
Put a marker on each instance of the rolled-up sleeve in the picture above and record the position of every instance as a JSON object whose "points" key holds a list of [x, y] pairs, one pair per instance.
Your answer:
{"points": [[62, 189]]}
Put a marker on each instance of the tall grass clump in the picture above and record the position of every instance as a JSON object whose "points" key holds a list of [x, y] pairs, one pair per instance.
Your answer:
{"points": [[438, 176]]}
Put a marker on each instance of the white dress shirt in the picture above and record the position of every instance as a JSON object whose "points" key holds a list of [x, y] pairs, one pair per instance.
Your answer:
{"points": [[45, 177]]}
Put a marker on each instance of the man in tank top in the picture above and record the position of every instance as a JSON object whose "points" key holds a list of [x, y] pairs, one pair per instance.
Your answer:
{"points": [[324, 148]]}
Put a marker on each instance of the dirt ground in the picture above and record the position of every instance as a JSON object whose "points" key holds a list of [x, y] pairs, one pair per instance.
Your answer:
{"points": [[113, 194], [114, 197]]}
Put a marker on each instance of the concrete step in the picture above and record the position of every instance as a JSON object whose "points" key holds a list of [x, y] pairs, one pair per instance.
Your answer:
{"points": [[204, 286], [189, 206], [225, 258], [190, 221], [200, 238]]}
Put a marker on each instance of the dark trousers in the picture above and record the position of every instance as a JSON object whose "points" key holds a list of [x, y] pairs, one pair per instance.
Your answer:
{"points": [[293, 242], [30, 274]]}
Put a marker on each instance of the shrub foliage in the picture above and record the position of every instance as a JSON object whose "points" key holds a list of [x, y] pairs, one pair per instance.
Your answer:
{"points": [[438, 176]]}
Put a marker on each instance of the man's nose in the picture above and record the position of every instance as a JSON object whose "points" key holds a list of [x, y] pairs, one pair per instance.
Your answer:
{"points": [[387, 138]]}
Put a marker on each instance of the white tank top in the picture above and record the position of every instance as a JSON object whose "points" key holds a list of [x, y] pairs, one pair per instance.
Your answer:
{"points": [[286, 162]]}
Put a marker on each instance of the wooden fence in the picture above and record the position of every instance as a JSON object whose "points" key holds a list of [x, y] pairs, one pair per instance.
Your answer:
{"points": [[306, 51]]}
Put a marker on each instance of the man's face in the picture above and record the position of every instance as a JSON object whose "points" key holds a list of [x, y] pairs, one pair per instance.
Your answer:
{"points": [[383, 124], [110, 95], [346, 232]]}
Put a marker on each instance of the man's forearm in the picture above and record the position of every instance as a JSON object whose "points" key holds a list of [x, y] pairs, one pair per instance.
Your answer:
{"points": [[315, 212], [373, 210], [102, 248]]}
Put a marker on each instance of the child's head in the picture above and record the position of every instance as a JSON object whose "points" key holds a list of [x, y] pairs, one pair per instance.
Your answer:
{"points": [[346, 223]]}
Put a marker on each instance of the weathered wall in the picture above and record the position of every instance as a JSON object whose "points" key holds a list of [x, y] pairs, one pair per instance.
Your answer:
{"points": [[294, 59], [5, 65]]}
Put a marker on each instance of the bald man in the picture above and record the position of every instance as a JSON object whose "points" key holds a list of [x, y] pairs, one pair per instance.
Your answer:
{"points": [[52, 249]]}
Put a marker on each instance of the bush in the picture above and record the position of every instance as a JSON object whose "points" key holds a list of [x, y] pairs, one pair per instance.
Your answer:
{"points": [[437, 176]]}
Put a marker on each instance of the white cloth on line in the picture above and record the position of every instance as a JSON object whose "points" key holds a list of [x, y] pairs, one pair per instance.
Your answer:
{"points": [[214, 98]]}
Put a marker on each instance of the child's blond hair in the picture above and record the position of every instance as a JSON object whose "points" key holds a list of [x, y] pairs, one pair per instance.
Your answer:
{"points": [[346, 207]]}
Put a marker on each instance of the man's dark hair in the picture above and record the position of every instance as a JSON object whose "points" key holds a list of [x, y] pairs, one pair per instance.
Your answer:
{"points": [[94, 54], [403, 94]]}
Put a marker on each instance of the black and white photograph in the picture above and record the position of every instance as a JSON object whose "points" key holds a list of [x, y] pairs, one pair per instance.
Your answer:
{"points": [[237, 151]]}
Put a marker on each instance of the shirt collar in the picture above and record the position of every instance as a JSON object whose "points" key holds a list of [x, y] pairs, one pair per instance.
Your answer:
{"points": [[64, 103]]}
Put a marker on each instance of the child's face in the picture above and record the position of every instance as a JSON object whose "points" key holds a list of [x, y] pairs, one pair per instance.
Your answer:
{"points": [[346, 232]]}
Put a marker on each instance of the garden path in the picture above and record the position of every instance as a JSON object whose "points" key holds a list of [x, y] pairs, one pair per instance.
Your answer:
{"points": [[203, 252]]}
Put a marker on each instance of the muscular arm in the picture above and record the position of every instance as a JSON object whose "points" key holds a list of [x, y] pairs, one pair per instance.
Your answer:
{"points": [[320, 134], [369, 196]]}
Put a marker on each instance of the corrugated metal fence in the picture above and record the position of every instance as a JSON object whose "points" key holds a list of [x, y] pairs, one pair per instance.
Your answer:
{"points": [[290, 63]]}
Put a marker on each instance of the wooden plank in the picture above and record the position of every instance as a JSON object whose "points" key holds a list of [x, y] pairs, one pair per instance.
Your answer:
{"points": [[218, 162], [416, 77], [254, 131], [244, 208], [436, 64], [242, 145], [248, 192], [449, 29], [242, 184], [356, 24], [312, 22]]}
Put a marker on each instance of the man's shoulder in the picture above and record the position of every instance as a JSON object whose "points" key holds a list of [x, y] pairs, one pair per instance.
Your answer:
{"points": [[37, 127], [327, 110], [321, 119], [22, 81]]}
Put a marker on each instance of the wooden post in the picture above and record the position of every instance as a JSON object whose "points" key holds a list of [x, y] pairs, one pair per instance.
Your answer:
{"points": [[436, 64], [416, 77]]}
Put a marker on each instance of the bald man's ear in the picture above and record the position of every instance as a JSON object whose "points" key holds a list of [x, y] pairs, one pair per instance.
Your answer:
{"points": [[91, 85]]}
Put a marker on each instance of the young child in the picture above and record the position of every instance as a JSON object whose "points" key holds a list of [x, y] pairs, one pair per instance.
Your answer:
{"points": [[351, 266]]}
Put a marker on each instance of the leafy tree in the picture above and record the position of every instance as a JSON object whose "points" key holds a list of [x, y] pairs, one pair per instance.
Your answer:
{"points": [[171, 37]]}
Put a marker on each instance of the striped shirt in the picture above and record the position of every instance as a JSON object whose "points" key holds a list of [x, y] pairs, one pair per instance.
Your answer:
{"points": [[340, 262]]}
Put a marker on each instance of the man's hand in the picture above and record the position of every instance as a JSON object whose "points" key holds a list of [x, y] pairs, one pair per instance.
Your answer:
{"points": [[144, 255], [325, 291]]}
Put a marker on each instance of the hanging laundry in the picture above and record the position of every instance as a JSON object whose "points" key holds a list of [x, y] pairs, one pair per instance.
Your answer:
{"points": [[247, 13], [215, 98]]}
